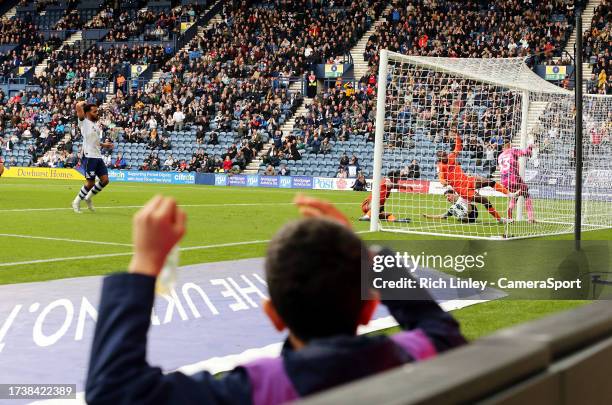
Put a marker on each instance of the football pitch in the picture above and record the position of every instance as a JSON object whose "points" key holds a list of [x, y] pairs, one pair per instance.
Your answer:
{"points": [[42, 239]]}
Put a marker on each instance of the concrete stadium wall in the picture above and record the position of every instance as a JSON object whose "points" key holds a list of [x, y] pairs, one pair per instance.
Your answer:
{"points": [[563, 359]]}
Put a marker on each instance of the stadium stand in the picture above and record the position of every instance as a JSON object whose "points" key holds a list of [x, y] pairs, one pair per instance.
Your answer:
{"points": [[562, 359], [476, 29], [237, 81], [598, 49], [255, 99]]}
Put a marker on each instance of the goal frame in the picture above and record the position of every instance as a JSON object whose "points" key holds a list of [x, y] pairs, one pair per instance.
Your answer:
{"points": [[514, 84]]}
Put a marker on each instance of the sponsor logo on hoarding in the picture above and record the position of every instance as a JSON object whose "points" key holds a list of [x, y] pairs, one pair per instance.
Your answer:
{"points": [[237, 180], [184, 178], [414, 186], [285, 182], [116, 175], [252, 180], [322, 183], [42, 173], [341, 184], [220, 180], [268, 181], [302, 182], [599, 179]]}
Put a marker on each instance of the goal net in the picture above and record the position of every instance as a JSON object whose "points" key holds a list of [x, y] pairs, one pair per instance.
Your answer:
{"points": [[484, 148]]}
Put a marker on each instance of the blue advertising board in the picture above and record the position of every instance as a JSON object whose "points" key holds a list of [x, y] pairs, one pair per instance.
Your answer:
{"points": [[207, 179], [239, 180], [135, 176], [301, 182], [284, 182], [268, 181], [254, 180], [221, 179]]}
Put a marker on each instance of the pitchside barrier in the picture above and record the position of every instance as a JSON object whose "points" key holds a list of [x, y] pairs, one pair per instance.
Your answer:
{"points": [[562, 359]]}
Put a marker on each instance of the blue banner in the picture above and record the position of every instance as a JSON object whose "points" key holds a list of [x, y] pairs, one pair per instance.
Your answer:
{"points": [[252, 180], [237, 180], [220, 179], [207, 179], [134, 176], [268, 181], [301, 182], [284, 182]]}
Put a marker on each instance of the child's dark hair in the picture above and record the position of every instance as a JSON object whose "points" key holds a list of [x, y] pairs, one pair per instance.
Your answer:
{"points": [[313, 275]]}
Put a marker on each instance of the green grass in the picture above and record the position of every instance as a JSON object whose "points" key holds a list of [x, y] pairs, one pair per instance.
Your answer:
{"points": [[216, 215]]}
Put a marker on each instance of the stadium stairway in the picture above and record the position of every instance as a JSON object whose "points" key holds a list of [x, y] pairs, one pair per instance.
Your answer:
{"points": [[286, 129], [77, 36], [11, 13], [156, 76], [216, 19], [360, 68], [360, 65], [587, 17]]}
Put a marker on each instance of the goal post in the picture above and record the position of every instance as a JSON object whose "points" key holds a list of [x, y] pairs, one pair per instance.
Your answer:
{"points": [[378, 140], [425, 105]]}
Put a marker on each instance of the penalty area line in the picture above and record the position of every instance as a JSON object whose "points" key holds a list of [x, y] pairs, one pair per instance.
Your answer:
{"points": [[94, 242], [180, 205], [102, 256]]}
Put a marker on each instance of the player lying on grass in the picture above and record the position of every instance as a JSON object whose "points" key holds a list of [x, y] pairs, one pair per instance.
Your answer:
{"points": [[450, 173], [313, 273], [508, 162], [91, 155], [386, 185], [461, 209]]}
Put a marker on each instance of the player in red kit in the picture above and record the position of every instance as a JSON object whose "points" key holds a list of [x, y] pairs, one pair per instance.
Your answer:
{"points": [[386, 185], [450, 173]]}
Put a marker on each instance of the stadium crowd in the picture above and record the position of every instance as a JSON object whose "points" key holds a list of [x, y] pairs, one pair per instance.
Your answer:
{"points": [[598, 49], [30, 46], [234, 77], [475, 29]]}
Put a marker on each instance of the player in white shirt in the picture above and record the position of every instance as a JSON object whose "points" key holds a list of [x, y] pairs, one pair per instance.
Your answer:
{"points": [[461, 209], [91, 156]]}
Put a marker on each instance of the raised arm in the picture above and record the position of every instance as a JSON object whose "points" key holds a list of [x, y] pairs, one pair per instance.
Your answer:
{"points": [[80, 112], [420, 311], [118, 369], [441, 216], [524, 152], [458, 144]]}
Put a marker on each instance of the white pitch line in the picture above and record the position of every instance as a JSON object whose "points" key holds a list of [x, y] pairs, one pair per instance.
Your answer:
{"points": [[101, 256], [181, 205], [63, 259], [94, 242]]}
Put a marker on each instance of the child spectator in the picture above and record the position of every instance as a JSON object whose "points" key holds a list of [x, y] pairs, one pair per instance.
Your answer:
{"points": [[313, 272]]}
